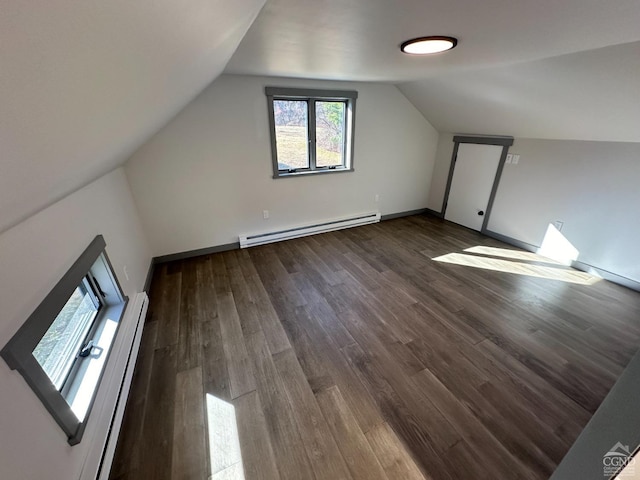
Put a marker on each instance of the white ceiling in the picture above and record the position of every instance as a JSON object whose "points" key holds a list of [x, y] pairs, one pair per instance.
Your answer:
{"points": [[84, 83], [592, 95], [538, 69], [359, 39]]}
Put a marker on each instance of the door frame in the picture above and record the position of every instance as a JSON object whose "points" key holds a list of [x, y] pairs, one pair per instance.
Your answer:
{"points": [[505, 142]]}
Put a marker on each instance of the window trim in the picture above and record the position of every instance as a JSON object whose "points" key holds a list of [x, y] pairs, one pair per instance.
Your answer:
{"points": [[18, 355], [98, 303], [312, 96]]}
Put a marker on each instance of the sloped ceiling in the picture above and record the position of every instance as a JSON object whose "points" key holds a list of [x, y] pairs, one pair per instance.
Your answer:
{"points": [[543, 69], [84, 83], [592, 95]]}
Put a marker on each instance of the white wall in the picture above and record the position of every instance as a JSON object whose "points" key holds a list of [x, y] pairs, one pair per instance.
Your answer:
{"points": [[440, 172], [207, 176], [593, 187], [34, 255], [84, 84]]}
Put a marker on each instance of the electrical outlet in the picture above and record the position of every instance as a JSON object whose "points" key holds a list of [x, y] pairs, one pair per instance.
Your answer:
{"points": [[265, 214], [376, 198], [558, 224]]}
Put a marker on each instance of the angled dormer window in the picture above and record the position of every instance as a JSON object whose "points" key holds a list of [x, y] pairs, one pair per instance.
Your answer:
{"points": [[63, 347]]}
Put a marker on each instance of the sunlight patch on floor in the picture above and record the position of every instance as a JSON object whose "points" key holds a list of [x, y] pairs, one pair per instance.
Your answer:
{"points": [[512, 254], [224, 442], [518, 268]]}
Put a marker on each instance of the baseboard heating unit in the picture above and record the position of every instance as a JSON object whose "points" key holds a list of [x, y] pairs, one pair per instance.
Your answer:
{"points": [[114, 391], [303, 231]]}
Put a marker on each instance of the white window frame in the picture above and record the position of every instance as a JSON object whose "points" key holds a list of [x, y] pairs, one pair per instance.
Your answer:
{"points": [[71, 405], [312, 96]]}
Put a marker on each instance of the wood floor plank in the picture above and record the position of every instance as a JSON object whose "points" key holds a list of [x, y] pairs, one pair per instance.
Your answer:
{"points": [[376, 363], [189, 457], [156, 446], [247, 311], [290, 454], [415, 434], [189, 342], [168, 313], [356, 451], [497, 460], [322, 451], [214, 364], [342, 374], [215, 375], [392, 454], [359, 354], [538, 395], [322, 311], [241, 378], [205, 290], [370, 306], [257, 454], [271, 326], [321, 360]]}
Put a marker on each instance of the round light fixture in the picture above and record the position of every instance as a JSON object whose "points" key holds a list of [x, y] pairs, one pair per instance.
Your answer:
{"points": [[428, 45]]}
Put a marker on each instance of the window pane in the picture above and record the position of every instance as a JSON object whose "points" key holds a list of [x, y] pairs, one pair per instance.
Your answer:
{"points": [[330, 126], [60, 345], [291, 133]]}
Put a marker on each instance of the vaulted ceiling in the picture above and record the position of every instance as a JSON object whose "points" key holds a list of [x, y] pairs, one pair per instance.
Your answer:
{"points": [[360, 39], [84, 84], [590, 95], [538, 69]]}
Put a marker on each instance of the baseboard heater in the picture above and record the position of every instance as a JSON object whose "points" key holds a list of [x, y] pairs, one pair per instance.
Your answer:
{"points": [[303, 231], [114, 391]]}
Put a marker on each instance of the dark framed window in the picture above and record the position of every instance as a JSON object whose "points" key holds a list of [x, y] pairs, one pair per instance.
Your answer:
{"points": [[312, 131], [62, 348]]}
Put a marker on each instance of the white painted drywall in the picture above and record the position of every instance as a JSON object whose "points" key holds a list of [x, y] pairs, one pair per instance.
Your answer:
{"points": [[440, 172], [84, 84], [592, 95], [359, 39], [34, 255], [593, 187], [207, 176]]}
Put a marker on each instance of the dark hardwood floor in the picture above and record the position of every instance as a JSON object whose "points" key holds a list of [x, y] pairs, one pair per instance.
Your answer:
{"points": [[354, 354]]}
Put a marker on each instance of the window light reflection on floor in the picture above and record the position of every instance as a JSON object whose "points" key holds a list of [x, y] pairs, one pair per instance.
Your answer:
{"points": [[552, 259], [519, 268], [224, 442], [512, 254]]}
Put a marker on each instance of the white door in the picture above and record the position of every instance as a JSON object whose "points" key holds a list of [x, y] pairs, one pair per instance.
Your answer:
{"points": [[473, 177]]}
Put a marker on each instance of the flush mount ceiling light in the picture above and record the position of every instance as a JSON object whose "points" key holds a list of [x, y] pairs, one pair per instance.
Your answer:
{"points": [[428, 45]]}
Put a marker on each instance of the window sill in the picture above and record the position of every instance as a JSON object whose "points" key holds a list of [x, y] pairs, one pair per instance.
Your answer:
{"points": [[305, 173], [85, 381]]}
